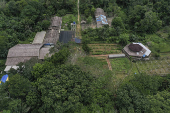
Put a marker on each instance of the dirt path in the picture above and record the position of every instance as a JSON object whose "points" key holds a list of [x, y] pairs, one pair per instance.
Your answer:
{"points": [[78, 24], [109, 65]]}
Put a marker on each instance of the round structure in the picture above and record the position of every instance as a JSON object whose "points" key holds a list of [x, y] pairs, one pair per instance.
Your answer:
{"points": [[135, 47]]}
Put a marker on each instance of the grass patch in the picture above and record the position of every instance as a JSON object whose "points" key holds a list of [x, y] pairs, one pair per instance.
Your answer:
{"points": [[96, 66], [153, 66], [120, 65]]}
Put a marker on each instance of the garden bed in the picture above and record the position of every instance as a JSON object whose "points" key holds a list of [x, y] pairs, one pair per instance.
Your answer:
{"points": [[102, 49]]}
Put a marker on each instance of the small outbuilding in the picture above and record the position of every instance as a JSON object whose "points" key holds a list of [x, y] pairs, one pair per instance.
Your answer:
{"points": [[116, 56], [136, 51]]}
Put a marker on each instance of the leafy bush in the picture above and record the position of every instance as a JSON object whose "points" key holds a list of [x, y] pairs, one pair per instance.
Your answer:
{"points": [[45, 24], [86, 48]]}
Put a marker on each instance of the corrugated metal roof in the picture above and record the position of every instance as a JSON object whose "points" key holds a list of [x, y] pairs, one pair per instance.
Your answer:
{"points": [[116, 56], [66, 36]]}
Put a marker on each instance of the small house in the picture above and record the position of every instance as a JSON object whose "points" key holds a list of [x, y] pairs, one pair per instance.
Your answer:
{"points": [[100, 17]]}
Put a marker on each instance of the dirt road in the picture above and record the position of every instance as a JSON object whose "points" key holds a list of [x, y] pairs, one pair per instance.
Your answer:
{"points": [[78, 34]]}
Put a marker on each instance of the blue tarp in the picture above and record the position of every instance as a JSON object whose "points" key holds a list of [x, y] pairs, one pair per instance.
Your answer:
{"points": [[77, 40], [48, 44], [102, 18], [74, 22], [144, 55], [4, 78]]}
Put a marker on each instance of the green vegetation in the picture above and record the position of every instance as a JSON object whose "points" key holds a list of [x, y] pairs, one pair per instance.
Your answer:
{"points": [[74, 82], [67, 20], [120, 65], [21, 20], [101, 49]]}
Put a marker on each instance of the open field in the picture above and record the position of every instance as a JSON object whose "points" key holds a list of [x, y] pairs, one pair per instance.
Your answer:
{"points": [[97, 66], [120, 65], [101, 49], [154, 66]]}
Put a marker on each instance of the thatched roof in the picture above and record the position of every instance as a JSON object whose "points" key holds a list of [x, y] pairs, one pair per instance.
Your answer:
{"points": [[22, 50], [98, 12], [56, 22], [43, 52], [39, 37], [12, 61], [52, 36]]}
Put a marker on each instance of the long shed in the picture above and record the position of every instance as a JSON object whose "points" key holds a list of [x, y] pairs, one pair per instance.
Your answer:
{"points": [[39, 37], [116, 56], [21, 53]]}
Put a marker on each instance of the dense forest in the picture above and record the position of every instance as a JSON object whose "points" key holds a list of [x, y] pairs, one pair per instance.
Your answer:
{"points": [[56, 85], [20, 20]]}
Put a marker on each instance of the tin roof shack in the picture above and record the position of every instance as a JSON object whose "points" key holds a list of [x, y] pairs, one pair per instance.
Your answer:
{"points": [[39, 37], [100, 17], [136, 51]]}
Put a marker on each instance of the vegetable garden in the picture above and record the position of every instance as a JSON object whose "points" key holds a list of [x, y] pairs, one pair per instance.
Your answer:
{"points": [[101, 49]]}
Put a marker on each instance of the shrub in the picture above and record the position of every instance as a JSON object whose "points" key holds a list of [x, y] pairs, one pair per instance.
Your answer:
{"points": [[86, 48], [45, 24]]}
